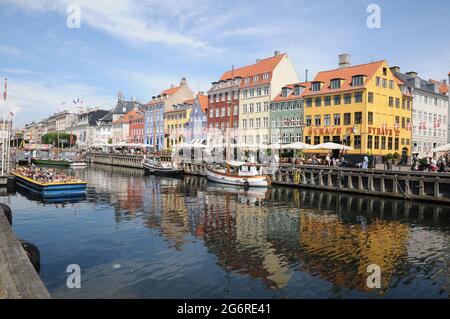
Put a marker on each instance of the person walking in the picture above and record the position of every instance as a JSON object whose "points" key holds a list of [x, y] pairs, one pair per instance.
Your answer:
{"points": [[365, 164]]}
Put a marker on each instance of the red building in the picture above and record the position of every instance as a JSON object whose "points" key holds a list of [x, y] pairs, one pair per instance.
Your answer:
{"points": [[224, 96], [136, 127]]}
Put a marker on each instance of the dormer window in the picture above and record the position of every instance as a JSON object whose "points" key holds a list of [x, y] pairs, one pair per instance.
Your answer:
{"points": [[335, 84], [247, 80], [265, 76], [285, 91], [298, 90], [255, 78], [358, 80], [316, 86]]}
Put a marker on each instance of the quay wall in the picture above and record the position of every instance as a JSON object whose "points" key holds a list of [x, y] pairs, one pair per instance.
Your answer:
{"points": [[406, 185]]}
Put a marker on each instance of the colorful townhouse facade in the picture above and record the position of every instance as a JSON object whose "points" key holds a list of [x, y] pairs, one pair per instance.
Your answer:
{"points": [[175, 122], [261, 83], [429, 112], [196, 128], [286, 114], [136, 127], [364, 106], [155, 109]]}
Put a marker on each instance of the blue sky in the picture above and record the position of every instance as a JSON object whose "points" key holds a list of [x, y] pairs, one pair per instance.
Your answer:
{"points": [[141, 47]]}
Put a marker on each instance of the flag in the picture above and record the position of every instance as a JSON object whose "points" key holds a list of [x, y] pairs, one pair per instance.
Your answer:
{"points": [[4, 92]]}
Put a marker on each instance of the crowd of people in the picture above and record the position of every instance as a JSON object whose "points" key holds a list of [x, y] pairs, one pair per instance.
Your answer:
{"points": [[45, 175], [431, 164]]}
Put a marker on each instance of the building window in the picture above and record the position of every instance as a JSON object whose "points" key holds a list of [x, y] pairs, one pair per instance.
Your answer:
{"points": [[347, 118], [358, 117], [326, 120], [347, 98], [308, 120], [384, 83], [265, 76], [389, 143], [377, 142], [318, 101], [384, 71], [369, 141], [252, 92], [357, 80], [244, 93], [335, 84], [391, 84], [378, 81], [358, 97], [266, 90], [370, 97], [317, 120], [266, 106], [391, 101], [337, 100], [259, 91], [383, 142], [357, 142], [370, 118], [327, 100], [337, 119], [258, 107], [308, 140], [316, 140], [396, 144], [397, 102], [308, 102], [315, 86]]}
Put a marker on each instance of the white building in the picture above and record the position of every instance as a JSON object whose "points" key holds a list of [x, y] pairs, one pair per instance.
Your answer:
{"points": [[429, 114]]}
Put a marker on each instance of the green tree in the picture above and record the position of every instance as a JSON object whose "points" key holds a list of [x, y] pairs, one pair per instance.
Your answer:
{"points": [[64, 139]]}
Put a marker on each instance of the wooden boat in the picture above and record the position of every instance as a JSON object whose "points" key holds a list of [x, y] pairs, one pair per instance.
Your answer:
{"points": [[51, 162], [168, 169], [78, 164], [245, 174], [51, 190]]}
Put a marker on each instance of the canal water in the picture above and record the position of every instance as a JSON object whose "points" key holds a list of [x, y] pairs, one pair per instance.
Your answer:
{"points": [[137, 236]]}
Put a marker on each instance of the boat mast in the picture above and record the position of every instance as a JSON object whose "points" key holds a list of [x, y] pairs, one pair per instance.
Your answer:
{"points": [[231, 108]]}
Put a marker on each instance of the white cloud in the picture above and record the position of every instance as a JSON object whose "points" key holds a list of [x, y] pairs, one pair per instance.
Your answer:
{"points": [[34, 100], [254, 31], [10, 50], [129, 20]]}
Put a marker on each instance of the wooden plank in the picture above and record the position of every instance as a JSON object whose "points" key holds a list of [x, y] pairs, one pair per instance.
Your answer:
{"points": [[18, 278]]}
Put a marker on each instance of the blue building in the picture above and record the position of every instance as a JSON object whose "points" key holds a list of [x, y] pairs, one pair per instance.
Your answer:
{"points": [[196, 127]]}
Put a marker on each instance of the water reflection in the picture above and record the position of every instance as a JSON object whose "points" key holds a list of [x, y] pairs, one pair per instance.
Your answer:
{"points": [[294, 243]]}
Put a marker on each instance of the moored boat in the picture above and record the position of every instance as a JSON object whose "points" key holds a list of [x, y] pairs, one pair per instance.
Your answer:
{"points": [[243, 174], [51, 189], [78, 164], [51, 162], [148, 165]]}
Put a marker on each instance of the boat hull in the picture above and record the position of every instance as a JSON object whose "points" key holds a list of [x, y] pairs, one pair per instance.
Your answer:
{"points": [[148, 168], [52, 190], [173, 172], [51, 162], [244, 181]]}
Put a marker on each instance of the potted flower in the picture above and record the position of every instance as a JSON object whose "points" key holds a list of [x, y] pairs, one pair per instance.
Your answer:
{"points": [[388, 161], [395, 158]]}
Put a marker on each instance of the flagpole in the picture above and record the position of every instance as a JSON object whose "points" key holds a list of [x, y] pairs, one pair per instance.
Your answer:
{"points": [[3, 131]]}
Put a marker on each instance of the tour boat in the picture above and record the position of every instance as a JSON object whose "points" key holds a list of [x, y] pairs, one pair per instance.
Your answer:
{"points": [[149, 165], [52, 189], [246, 174], [168, 169]]}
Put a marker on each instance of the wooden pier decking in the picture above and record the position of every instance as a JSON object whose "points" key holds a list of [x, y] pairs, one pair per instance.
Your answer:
{"points": [[18, 278]]}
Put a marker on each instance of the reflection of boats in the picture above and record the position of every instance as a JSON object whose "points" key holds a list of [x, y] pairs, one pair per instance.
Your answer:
{"points": [[246, 174], [250, 196], [51, 190], [52, 200], [78, 164], [51, 162]]}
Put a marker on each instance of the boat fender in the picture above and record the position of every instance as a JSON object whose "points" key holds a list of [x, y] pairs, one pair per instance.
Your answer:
{"points": [[8, 213], [33, 254], [246, 185]]}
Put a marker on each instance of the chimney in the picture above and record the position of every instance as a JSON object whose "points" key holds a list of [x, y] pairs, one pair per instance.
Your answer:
{"points": [[344, 60], [183, 81], [395, 69], [412, 74], [258, 60], [172, 86], [306, 75], [276, 53]]}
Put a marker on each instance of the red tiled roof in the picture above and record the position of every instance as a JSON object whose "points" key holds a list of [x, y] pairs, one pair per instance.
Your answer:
{"points": [[171, 90], [345, 73], [203, 101], [291, 96], [263, 66], [443, 88]]}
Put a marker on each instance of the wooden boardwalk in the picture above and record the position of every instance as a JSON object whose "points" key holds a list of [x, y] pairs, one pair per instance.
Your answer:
{"points": [[18, 278]]}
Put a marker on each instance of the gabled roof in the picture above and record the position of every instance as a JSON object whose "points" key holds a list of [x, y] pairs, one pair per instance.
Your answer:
{"points": [[123, 107], [345, 73], [95, 115], [260, 67], [291, 95], [424, 85], [203, 101], [170, 91]]}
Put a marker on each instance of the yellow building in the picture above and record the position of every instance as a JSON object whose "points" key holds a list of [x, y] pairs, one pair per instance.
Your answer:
{"points": [[175, 122], [363, 106]]}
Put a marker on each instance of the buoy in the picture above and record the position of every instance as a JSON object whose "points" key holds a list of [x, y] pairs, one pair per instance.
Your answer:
{"points": [[33, 254], [7, 210]]}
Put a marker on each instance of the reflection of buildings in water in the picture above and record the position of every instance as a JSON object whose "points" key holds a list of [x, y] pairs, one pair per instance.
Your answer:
{"points": [[236, 227], [341, 252]]}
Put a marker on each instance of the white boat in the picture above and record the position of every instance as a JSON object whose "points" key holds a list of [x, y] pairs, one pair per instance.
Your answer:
{"points": [[78, 164], [149, 165], [245, 174]]}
